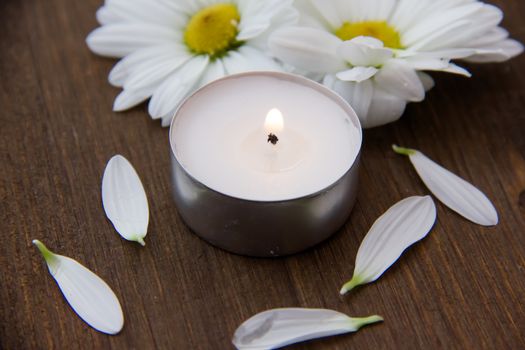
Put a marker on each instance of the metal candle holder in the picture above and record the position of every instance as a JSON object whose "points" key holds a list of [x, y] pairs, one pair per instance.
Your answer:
{"points": [[265, 228]]}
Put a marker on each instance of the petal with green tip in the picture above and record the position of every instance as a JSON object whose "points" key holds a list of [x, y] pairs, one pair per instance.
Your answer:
{"points": [[405, 223], [280, 327], [124, 200], [90, 297], [453, 191], [403, 150]]}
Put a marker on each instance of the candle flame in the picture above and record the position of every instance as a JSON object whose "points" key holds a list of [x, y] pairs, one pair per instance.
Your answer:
{"points": [[274, 122]]}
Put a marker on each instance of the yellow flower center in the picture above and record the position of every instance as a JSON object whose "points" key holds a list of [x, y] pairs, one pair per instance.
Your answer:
{"points": [[213, 30], [377, 29]]}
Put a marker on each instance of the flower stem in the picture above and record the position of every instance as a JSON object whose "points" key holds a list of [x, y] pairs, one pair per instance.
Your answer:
{"points": [[348, 286], [403, 150]]}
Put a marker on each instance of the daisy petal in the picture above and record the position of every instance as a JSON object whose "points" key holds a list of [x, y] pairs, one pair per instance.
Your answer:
{"points": [[260, 18], [251, 24], [141, 11], [455, 69], [329, 12], [310, 17], [421, 63], [384, 108], [451, 190], [173, 90], [89, 296], [280, 327], [478, 26], [129, 98], [364, 51], [434, 40], [248, 59], [398, 78], [405, 223], [106, 16], [442, 19], [434, 64], [153, 74], [357, 74], [165, 121], [490, 37], [214, 71], [426, 80], [447, 53], [253, 30], [358, 95], [141, 59], [406, 13], [124, 199], [309, 49], [379, 9], [498, 52], [187, 7], [121, 39]]}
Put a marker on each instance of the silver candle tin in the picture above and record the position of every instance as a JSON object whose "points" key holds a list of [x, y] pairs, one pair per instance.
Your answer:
{"points": [[265, 228]]}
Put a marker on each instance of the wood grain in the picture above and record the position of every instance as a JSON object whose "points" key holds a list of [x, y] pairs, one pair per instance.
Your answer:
{"points": [[462, 287]]}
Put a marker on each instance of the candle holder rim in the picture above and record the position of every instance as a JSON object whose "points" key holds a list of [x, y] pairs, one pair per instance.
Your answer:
{"points": [[292, 77]]}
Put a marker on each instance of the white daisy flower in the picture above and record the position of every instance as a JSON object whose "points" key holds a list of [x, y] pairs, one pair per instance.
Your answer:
{"points": [[172, 47], [374, 52]]}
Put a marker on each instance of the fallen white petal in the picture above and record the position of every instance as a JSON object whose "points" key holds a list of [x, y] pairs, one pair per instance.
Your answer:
{"points": [[453, 191], [405, 223], [280, 327], [90, 297], [124, 200]]}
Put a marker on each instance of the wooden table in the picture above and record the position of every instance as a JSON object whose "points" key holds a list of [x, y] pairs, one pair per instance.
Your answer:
{"points": [[462, 287]]}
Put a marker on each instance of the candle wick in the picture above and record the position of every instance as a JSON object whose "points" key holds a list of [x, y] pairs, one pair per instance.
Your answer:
{"points": [[272, 138]]}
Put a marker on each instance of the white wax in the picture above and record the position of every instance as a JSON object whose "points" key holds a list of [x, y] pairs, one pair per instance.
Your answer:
{"points": [[212, 129]]}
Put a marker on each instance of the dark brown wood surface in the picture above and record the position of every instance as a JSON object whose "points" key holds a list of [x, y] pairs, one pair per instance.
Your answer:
{"points": [[462, 287]]}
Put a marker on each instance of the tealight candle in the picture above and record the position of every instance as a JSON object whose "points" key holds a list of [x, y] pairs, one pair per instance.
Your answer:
{"points": [[265, 163]]}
